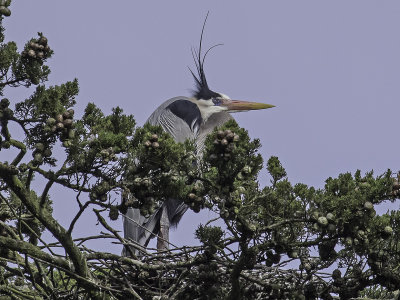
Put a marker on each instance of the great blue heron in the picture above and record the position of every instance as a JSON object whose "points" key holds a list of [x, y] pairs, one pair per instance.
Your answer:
{"points": [[184, 118]]}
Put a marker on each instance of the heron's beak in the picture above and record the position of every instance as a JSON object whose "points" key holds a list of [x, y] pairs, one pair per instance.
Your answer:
{"points": [[239, 105]]}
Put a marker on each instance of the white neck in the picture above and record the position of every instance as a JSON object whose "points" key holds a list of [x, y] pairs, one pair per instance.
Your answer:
{"points": [[207, 108]]}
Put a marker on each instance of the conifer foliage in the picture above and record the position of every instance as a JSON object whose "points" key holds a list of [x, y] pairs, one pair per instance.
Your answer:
{"points": [[283, 241]]}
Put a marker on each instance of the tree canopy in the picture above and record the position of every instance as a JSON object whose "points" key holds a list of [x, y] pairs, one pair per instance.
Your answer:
{"points": [[282, 241]]}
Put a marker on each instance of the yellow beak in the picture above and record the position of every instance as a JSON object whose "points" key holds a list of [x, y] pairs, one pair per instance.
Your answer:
{"points": [[239, 105]]}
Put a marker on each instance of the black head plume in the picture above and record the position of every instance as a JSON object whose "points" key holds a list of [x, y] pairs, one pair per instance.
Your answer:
{"points": [[202, 90]]}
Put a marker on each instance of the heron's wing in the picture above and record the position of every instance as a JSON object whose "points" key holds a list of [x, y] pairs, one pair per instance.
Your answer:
{"points": [[142, 229], [178, 117], [133, 232], [137, 227]]}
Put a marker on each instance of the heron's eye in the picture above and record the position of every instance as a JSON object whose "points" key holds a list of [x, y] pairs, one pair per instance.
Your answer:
{"points": [[217, 101]]}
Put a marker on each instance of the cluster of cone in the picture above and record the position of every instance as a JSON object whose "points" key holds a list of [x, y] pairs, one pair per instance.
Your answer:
{"points": [[63, 124]]}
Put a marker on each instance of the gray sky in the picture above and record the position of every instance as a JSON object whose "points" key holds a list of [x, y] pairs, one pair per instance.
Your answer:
{"points": [[331, 68]]}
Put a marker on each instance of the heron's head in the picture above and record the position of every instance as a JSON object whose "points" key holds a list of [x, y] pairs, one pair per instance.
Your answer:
{"points": [[208, 101], [218, 102]]}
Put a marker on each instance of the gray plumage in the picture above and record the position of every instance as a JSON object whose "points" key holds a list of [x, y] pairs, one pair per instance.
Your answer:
{"points": [[139, 228], [184, 118]]}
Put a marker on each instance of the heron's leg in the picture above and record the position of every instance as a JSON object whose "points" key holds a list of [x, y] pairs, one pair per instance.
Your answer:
{"points": [[163, 234]]}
